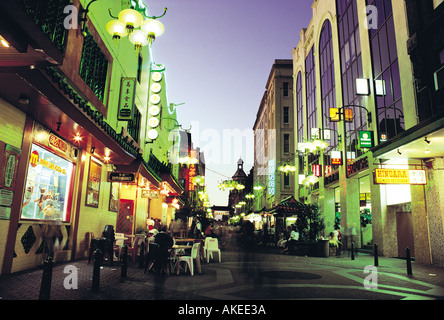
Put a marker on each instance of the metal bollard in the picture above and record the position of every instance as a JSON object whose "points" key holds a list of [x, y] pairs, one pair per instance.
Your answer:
{"points": [[96, 271], [352, 251], [142, 250], [375, 253], [45, 287], [124, 270], [409, 261]]}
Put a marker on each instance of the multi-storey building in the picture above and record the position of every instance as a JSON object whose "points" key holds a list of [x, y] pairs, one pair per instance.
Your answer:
{"points": [[274, 138], [85, 128], [357, 89]]}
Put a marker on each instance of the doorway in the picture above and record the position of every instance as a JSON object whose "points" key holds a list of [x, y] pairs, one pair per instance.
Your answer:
{"points": [[124, 223], [404, 228]]}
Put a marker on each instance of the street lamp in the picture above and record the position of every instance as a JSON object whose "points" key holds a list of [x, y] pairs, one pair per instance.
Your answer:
{"points": [[133, 22]]}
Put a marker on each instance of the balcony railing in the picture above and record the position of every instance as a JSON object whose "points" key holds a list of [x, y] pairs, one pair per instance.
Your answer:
{"points": [[48, 16]]}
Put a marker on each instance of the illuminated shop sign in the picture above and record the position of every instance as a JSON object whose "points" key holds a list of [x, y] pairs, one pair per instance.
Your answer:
{"points": [[365, 139], [48, 186], [336, 157], [316, 169], [399, 176]]}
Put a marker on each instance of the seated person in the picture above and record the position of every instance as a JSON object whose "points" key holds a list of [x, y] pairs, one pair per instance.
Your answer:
{"points": [[334, 242], [290, 245]]}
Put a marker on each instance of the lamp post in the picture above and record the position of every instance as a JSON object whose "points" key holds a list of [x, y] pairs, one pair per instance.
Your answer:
{"points": [[343, 114]]}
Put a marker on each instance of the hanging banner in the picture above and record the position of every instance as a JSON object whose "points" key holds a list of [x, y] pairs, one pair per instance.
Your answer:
{"points": [[126, 100]]}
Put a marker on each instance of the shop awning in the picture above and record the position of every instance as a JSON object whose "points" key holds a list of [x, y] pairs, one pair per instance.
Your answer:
{"points": [[138, 166], [174, 186], [287, 207]]}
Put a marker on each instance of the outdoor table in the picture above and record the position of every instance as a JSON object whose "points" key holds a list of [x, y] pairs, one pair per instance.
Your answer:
{"points": [[184, 240]]}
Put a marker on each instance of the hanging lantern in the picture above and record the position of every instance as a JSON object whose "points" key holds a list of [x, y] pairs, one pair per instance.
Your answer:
{"points": [[154, 28], [139, 39], [131, 19], [117, 29]]}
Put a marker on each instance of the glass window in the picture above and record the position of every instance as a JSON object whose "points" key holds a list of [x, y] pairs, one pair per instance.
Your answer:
{"points": [[48, 186], [300, 106], [286, 115], [286, 143], [311, 90]]}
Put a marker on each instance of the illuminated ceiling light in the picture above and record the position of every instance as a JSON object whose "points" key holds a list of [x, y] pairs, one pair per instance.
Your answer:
{"points": [[4, 43], [107, 158], [131, 19], [427, 151]]}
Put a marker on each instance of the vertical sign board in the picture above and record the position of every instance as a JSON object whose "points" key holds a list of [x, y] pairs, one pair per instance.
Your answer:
{"points": [[365, 139], [316, 169], [126, 99], [271, 177]]}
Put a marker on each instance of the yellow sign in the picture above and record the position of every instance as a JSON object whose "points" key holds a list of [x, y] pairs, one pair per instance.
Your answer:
{"points": [[399, 176], [334, 115]]}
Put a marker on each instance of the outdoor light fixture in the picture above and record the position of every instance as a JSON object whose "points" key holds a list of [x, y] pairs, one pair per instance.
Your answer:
{"points": [[287, 168], [427, 141], [141, 28], [134, 21]]}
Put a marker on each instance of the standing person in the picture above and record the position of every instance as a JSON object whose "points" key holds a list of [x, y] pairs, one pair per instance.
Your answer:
{"points": [[175, 227], [197, 232], [165, 243]]}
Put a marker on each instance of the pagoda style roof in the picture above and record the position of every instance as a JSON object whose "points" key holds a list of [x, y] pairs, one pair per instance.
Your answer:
{"points": [[288, 206]]}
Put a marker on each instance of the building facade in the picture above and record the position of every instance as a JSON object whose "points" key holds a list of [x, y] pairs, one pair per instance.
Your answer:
{"points": [[274, 138], [360, 78], [87, 130]]}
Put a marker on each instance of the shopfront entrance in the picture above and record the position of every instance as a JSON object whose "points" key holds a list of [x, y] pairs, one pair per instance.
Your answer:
{"points": [[124, 222], [404, 228]]}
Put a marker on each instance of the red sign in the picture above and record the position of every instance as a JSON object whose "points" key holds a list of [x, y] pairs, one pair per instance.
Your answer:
{"points": [[316, 169], [57, 143], [34, 159], [327, 171], [191, 174]]}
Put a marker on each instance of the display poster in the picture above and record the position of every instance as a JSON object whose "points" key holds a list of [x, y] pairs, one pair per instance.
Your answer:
{"points": [[93, 187], [114, 197], [8, 166], [48, 186]]}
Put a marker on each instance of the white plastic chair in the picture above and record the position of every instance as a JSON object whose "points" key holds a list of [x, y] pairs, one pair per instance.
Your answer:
{"points": [[206, 246], [189, 259], [213, 246], [118, 244]]}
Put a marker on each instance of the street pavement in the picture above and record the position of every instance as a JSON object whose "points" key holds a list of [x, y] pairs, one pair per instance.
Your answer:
{"points": [[245, 278]]}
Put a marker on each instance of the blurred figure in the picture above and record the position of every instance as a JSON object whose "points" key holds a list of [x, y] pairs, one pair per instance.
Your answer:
{"points": [[51, 236]]}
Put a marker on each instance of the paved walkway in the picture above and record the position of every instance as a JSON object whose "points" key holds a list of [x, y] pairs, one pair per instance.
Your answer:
{"points": [[267, 275]]}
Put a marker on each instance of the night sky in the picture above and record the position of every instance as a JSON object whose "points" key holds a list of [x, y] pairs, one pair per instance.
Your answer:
{"points": [[218, 55]]}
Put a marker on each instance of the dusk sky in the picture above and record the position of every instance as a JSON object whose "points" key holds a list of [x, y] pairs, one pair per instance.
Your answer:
{"points": [[218, 55]]}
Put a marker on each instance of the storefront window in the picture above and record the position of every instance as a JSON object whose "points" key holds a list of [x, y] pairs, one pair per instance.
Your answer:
{"points": [[48, 186]]}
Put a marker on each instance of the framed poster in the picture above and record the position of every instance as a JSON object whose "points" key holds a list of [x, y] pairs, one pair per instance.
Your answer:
{"points": [[93, 184], [114, 197]]}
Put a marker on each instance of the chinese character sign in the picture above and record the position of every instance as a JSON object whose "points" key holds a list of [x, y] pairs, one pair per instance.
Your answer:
{"points": [[126, 101]]}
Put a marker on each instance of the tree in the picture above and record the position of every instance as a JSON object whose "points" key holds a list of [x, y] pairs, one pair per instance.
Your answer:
{"points": [[310, 224]]}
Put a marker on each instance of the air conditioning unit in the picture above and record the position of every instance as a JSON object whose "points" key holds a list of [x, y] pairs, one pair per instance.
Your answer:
{"points": [[439, 79]]}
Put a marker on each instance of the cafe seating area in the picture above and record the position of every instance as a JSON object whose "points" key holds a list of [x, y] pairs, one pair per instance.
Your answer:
{"points": [[185, 256]]}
